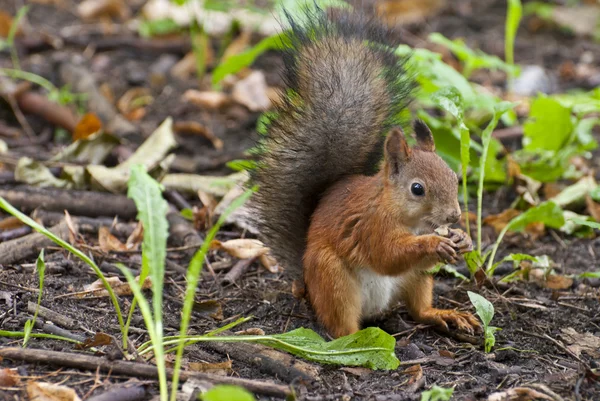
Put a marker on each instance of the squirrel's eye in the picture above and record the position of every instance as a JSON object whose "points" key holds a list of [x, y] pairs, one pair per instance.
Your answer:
{"points": [[417, 189]]}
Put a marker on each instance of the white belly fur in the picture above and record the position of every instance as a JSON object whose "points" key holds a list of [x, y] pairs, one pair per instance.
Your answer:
{"points": [[378, 292]]}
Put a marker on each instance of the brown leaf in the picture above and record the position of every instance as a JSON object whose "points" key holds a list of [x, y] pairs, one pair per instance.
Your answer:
{"points": [[207, 100], [499, 221], [551, 281], [238, 45], [109, 242], [88, 125], [359, 372], [551, 189], [10, 223], [98, 340], [252, 331], [446, 354], [136, 237], [132, 103], [193, 127], [578, 343], [6, 21], [100, 9], [210, 308], [218, 368], [9, 377], [269, 263], [40, 391], [398, 12], [593, 207], [73, 233], [97, 290], [415, 372], [252, 92], [241, 248]]}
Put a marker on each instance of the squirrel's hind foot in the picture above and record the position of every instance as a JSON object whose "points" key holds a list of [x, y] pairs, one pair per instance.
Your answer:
{"points": [[463, 321]]}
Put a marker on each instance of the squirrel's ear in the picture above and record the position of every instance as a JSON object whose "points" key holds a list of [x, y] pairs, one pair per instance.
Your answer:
{"points": [[424, 136], [397, 151]]}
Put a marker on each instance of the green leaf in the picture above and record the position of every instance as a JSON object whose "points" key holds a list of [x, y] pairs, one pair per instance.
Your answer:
{"points": [[589, 275], [483, 307], [450, 99], [241, 165], [437, 393], [236, 62], [225, 392], [576, 193], [549, 125], [152, 212], [371, 347], [513, 18], [584, 222], [548, 213]]}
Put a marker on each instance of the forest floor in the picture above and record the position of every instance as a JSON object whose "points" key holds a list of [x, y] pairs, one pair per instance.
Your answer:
{"points": [[542, 344]]}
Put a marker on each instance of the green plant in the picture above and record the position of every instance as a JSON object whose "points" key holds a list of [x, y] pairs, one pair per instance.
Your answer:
{"points": [[7, 207], [437, 393], [485, 311], [548, 213], [40, 265], [513, 18], [371, 347], [225, 392]]}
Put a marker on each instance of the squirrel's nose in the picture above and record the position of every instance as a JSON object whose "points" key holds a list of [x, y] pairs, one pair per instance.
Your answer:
{"points": [[453, 217]]}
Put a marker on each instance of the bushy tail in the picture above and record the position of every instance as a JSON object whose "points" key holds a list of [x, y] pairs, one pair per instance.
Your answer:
{"points": [[346, 88]]}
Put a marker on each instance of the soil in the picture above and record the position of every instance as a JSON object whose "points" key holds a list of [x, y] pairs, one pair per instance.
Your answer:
{"points": [[530, 348]]}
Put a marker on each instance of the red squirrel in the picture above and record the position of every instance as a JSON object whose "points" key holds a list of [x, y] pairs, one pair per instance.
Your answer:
{"points": [[342, 197]]}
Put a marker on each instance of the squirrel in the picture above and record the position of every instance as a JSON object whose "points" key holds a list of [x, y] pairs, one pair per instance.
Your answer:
{"points": [[342, 197]]}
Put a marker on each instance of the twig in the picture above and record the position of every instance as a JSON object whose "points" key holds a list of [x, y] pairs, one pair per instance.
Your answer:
{"points": [[556, 342], [129, 393], [237, 271], [54, 113], [133, 369], [51, 315], [14, 233], [85, 203], [30, 245]]}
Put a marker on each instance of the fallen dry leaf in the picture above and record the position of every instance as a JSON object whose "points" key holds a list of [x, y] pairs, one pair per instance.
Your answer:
{"points": [[398, 12], [241, 248], [499, 221], [203, 217], [593, 207], [193, 127], [136, 237], [73, 232], [10, 223], [109, 242], [5, 23], [269, 263], [210, 308], [99, 9], [358, 372], [132, 103], [9, 377], [415, 372], [218, 368], [578, 343], [252, 92], [207, 100], [40, 391], [97, 290], [551, 281], [98, 340], [238, 45], [88, 125], [252, 331], [519, 394]]}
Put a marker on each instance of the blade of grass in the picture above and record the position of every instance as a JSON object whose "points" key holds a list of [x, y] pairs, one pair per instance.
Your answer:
{"points": [[513, 18], [193, 274], [30, 324], [10, 39]]}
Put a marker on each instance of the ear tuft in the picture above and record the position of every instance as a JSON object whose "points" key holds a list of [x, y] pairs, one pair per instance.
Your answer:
{"points": [[424, 136], [397, 151]]}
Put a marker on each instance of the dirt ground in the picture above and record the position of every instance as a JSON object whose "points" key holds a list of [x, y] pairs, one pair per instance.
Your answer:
{"points": [[531, 349]]}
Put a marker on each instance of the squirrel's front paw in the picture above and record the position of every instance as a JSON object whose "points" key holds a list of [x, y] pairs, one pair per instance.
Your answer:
{"points": [[462, 241], [445, 250]]}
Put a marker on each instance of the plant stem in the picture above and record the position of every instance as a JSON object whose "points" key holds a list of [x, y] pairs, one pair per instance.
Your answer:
{"points": [[28, 76]]}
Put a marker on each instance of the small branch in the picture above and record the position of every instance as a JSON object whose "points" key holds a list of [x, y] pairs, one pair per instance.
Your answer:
{"points": [[49, 314], [237, 271], [54, 113], [132, 369], [86, 203], [130, 393], [30, 245]]}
